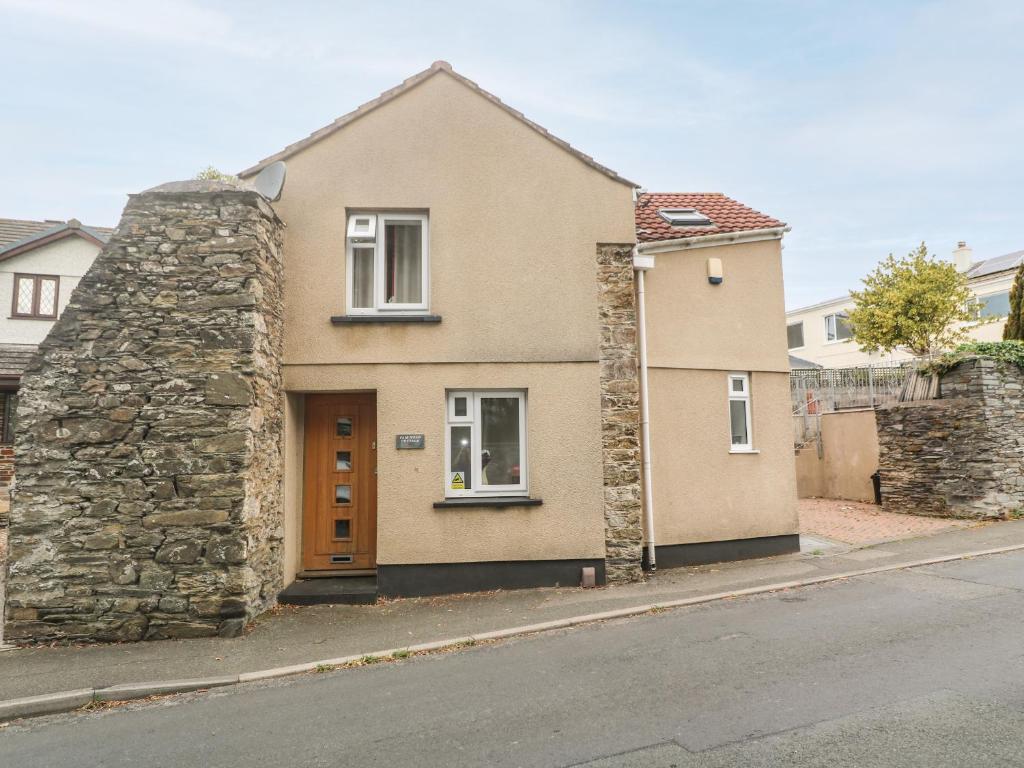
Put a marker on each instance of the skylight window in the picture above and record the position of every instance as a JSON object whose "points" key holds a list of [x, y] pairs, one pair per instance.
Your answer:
{"points": [[684, 217]]}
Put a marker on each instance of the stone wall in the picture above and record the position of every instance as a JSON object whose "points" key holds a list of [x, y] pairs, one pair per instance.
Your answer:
{"points": [[620, 413], [6, 476], [961, 455], [149, 445]]}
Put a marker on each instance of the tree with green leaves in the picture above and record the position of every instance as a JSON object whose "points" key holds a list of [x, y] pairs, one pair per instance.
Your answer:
{"points": [[917, 302], [1014, 328], [209, 173]]}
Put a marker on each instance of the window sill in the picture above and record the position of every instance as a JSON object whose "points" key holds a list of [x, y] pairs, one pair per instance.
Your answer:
{"points": [[488, 501], [743, 450], [371, 319]]}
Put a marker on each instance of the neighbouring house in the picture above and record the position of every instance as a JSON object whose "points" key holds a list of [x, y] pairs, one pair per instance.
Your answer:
{"points": [[479, 360], [820, 333], [40, 264]]}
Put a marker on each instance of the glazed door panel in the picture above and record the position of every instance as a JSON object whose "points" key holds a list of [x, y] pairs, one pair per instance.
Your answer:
{"points": [[339, 525]]}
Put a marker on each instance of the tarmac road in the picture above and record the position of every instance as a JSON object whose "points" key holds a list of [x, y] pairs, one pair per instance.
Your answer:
{"points": [[920, 667]]}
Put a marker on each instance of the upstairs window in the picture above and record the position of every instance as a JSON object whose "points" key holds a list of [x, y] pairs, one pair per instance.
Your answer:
{"points": [[35, 296], [795, 335], [992, 305], [837, 327], [387, 258]]}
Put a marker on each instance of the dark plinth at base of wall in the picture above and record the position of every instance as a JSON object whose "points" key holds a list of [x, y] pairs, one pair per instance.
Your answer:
{"points": [[452, 578], [704, 552]]}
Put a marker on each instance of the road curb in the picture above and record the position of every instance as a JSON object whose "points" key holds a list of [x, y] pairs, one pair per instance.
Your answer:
{"points": [[66, 701], [46, 704], [129, 691]]}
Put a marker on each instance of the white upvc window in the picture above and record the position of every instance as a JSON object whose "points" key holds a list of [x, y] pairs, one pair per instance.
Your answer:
{"points": [[741, 437], [387, 263], [837, 327], [485, 443]]}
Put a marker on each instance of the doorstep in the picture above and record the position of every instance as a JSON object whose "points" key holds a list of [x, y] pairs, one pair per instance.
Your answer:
{"points": [[350, 590]]}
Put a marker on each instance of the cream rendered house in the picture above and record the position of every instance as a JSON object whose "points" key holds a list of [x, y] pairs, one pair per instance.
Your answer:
{"points": [[40, 264], [819, 332], [464, 358]]}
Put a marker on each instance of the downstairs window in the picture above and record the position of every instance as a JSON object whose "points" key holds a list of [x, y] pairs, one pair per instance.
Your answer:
{"points": [[486, 443]]}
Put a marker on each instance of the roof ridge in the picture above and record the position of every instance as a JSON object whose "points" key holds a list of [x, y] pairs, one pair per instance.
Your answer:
{"points": [[703, 194], [408, 84], [51, 222], [73, 228]]}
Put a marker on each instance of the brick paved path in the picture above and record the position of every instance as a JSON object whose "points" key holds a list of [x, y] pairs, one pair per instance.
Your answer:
{"points": [[853, 522]]}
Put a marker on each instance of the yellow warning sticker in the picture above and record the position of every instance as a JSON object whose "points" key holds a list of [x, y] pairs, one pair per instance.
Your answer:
{"points": [[458, 482]]}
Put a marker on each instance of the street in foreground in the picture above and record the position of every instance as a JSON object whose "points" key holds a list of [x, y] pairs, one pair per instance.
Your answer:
{"points": [[920, 667]]}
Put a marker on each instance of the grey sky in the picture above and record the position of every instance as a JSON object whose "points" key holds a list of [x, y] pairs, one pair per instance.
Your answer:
{"points": [[868, 126]]}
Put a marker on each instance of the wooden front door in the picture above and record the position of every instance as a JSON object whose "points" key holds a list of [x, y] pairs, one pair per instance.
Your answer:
{"points": [[339, 520]]}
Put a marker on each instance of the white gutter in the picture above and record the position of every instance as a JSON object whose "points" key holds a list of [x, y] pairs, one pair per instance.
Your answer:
{"points": [[640, 265], [705, 241]]}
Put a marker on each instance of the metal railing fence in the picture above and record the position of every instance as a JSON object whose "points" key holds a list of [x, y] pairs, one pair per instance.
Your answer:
{"points": [[826, 390], [838, 389]]}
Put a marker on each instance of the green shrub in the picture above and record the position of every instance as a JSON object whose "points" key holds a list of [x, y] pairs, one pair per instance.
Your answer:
{"points": [[1003, 351]]}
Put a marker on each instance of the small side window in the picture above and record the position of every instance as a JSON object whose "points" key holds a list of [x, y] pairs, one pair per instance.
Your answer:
{"points": [[739, 413]]}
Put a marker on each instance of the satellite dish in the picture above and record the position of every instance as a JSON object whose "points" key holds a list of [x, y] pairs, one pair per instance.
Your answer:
{"points": [[270, 181]]}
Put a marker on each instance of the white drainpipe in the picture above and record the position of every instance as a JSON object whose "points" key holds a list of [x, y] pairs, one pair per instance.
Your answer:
{"points": [[640, 265]]}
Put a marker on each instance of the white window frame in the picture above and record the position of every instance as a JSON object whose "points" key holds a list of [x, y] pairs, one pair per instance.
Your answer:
{"points": [[684, 217], [834, 317], [979, 301], [743, 397], [370, 235], [375, 241], [473, 421]]}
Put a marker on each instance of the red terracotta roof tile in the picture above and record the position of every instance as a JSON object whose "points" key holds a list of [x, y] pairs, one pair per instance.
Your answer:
{"points": [[726, 214]]}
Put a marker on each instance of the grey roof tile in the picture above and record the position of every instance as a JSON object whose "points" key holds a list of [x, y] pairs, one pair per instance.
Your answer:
{"points": [[14, 358]]}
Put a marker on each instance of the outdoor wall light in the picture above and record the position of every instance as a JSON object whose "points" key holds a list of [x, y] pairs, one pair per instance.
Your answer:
{"points": [[715, 271]]}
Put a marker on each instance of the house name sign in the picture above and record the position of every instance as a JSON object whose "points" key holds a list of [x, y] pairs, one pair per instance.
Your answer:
{"points": [[408, 442]]}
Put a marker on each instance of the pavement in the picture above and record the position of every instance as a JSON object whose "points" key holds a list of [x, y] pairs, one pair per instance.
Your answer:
{"points": [[915, 667], [295, 635], [854, 522]]}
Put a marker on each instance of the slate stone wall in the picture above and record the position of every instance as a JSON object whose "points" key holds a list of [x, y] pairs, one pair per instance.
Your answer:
{"points": [[149, 448], [961, 455], [620, 413]]}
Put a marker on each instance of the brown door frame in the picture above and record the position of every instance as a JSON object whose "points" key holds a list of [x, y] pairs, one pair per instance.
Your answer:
{"points": [[321, 510]]}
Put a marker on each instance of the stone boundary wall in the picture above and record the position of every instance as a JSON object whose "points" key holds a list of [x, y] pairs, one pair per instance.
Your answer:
{"points": [[149, 446], [961, 455], [620, 413], [6, 476]]}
